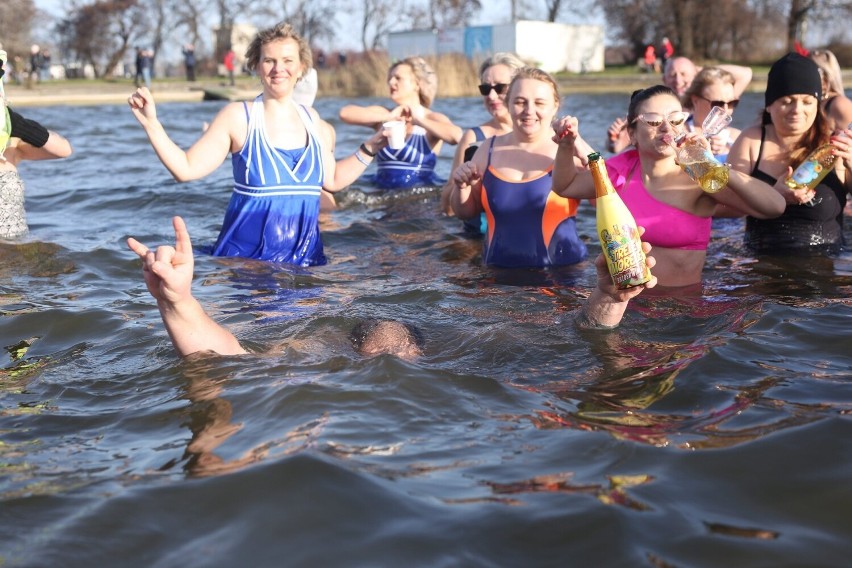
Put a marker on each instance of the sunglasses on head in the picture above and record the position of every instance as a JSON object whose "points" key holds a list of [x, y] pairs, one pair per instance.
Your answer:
{"points": [[499, 88], [655, 119], [724, 104]]}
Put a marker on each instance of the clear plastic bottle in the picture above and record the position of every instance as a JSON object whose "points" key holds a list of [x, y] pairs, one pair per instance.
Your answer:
{"points": [[697, 161], [617, 231]]}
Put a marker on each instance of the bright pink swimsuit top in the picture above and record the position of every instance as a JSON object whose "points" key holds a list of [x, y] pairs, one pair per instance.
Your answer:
{"points": [[665, 226]]}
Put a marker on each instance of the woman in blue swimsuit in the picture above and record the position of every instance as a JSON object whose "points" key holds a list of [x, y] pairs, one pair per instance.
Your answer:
{"points": [[413, 86], [282, 155], [510, 179]]}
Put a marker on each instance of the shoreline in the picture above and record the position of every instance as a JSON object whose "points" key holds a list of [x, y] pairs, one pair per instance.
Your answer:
{"points": [[98, 92]]}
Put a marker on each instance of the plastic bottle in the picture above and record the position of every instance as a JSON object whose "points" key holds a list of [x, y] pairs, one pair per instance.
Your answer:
{"points": [[697, 161], [617, 231], [815, 167]]}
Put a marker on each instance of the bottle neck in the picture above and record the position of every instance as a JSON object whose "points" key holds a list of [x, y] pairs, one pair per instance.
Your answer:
{"points": [[603, 186]]}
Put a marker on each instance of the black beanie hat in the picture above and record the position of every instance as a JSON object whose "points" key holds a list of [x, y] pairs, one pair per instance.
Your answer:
{"points": [[793, 74]]}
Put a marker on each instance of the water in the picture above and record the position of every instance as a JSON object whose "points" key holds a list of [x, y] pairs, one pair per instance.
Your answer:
{"points": [[709, 430]]}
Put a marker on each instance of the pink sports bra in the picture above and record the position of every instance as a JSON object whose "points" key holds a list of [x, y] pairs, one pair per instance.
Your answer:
{"points": [[665, 226]]}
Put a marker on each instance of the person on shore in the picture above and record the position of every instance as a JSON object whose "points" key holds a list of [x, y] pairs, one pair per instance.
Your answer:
{"points": [[230, 63], [510, 178], [168, 272], [835, 104], [661, 197], [495, 75], [188, 52], [793, 125], [28, 140], [678, 74], [413, 86], [712, 87], [281, 156], [652, 65]]}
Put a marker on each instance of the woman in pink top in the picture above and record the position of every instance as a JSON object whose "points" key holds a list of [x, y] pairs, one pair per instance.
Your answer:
{"points": [[674, 211]]}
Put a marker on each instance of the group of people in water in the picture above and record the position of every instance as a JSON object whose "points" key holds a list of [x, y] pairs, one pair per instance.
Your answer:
{"points": [[518, 179]]}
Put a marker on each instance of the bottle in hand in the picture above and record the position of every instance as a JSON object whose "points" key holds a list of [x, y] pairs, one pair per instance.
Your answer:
{"points": [[617, 231]]}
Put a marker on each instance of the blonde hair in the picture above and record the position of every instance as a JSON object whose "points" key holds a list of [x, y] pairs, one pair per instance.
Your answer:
{"points": [[537, 75], [705, 77], [424, 75], [281, 30], [829, 69], [510, 60]]}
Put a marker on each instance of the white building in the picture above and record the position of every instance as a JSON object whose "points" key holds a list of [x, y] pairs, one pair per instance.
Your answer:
{"points": [[550, 46]]}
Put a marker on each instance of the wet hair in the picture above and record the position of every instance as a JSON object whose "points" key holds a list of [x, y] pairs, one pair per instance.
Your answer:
{"points": [[281, 30], [373, 336], [424, 75], [538, 75], [829, 69], [510, 60], [639, 96], [704, 78]]}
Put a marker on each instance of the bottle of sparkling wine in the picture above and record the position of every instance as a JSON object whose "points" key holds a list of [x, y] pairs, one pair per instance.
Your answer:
{"points": [[697, 161], [617, 231]]}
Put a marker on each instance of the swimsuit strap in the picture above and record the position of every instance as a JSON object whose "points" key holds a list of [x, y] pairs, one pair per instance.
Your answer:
{"points": [[760, 148], [490, 148]]}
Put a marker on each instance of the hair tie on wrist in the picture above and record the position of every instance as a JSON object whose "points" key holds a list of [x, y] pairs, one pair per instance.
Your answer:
{"points": [[363, 148], [360, 159]]}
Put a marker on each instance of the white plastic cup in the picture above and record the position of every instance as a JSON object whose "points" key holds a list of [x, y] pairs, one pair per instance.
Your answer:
{"points": [[396, 134]]}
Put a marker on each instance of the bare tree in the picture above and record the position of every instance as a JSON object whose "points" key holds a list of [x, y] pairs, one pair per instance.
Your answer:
{"points": [[376, 21], [16, 19], [100, 33], [313, 19], [452, 13], [553, 7]]}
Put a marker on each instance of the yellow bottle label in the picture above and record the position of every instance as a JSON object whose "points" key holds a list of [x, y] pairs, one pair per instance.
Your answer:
{"points": [[620, 242]]}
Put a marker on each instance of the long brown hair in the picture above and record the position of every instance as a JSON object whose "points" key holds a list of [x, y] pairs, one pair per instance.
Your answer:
{"points": [[818, 135]]}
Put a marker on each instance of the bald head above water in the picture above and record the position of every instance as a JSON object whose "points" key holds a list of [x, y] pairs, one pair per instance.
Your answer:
{"points": [[378, 336]]}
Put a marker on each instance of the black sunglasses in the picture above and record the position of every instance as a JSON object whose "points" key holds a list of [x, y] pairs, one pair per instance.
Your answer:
{"points": [[729, 104], [499, 88]]}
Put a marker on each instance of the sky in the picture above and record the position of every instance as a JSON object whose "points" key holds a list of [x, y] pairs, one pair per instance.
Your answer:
{"points": [[497, 12]]}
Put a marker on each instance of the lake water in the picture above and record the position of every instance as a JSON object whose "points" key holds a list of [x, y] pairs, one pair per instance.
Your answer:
{"points": [[710, 430]]}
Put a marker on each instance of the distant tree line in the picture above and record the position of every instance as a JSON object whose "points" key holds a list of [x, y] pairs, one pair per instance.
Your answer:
{"points": [[104, 33]]}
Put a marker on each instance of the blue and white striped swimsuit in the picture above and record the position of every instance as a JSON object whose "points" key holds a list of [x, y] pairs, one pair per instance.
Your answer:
{"points": [[274, 208], [412, 165]]}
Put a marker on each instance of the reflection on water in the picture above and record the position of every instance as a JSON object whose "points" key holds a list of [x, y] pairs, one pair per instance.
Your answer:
{"points": [[711, 429]]}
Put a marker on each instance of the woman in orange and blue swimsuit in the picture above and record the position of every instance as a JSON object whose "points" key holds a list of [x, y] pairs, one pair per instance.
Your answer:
{"points": [[509, 178]]}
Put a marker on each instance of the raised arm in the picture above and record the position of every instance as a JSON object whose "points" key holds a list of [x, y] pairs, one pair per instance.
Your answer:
{"points": [[466, 192], [372, 116], [742, 77], [467, 139], [168, 276], [436, 124], [204, 156], [568, 179]]}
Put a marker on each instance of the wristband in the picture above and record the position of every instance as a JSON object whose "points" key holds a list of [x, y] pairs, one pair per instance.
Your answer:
{"points": [[363, 148], [360, 159], [27, 130]]}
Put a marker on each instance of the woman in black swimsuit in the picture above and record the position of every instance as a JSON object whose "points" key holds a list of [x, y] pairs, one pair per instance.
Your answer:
{"points": [[794, 125]]}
